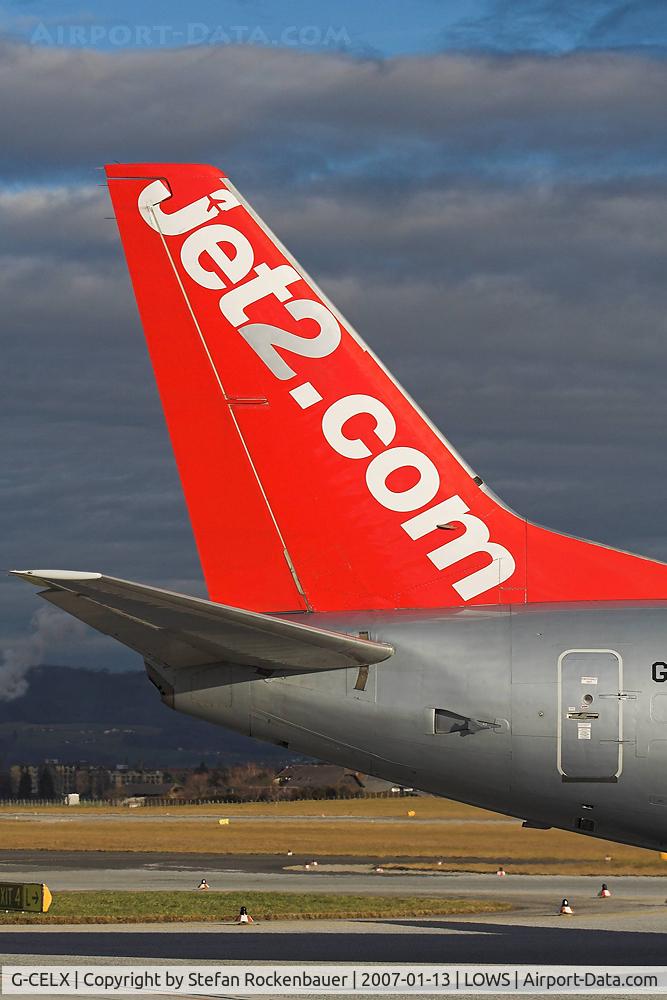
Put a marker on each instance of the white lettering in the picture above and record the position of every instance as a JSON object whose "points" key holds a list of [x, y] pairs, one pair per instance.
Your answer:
{"points": [[269, 281], [474, 540], [264, 338], [186, 218], [343, 410], [390, 461], [208, 240]]}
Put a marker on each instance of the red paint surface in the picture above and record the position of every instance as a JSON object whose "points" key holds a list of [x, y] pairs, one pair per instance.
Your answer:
{"points": [[349, 552]]}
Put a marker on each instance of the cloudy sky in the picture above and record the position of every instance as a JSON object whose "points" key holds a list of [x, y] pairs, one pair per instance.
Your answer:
{"points": [[480, 186]]}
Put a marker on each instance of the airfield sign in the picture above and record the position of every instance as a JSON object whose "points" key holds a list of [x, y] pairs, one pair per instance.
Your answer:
{"points": [[34, 897]]}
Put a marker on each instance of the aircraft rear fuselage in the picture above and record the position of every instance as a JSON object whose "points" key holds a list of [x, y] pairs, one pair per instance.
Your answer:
{"points": [[556, 714]]}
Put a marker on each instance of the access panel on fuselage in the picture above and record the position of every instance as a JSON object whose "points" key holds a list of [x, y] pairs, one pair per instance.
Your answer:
{"points": [[589, 725]]}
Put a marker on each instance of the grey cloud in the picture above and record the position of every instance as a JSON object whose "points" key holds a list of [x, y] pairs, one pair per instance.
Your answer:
{"points": [[69, 221], [72, 110], [528, 319], [570, 236]]}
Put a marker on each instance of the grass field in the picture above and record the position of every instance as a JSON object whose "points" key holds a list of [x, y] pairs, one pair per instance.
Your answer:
{"points": [[173, 907], [470, 840]]}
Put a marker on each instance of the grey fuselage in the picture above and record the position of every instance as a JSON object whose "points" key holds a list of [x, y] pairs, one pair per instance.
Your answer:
{"points": [[556, 714]]}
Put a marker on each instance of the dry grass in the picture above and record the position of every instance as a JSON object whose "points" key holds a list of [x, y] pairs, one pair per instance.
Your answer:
{"points": [[468, 842], [206, 836], [426, 808]]}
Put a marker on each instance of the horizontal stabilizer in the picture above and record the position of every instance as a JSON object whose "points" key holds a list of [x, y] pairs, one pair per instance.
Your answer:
{"points": [[185, 631]]}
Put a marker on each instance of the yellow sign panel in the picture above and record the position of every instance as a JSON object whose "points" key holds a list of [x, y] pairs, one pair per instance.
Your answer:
{"points": [[31, 896]]}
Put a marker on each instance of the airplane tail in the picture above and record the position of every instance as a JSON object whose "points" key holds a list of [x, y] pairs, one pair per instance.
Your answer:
{"points": [[312, 479]]}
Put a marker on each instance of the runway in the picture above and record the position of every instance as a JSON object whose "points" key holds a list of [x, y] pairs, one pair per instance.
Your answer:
{"points": [[631, 938], [271, 873], [629, 928]]}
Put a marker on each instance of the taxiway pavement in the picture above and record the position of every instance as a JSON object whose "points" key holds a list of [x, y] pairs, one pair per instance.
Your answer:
{"points": [[630, 928]]}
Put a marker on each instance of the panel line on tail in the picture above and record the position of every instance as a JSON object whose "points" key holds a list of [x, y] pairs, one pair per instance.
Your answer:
{"points": [[354, 333], [229, 400]]}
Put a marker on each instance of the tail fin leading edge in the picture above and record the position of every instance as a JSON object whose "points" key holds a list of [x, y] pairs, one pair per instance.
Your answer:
{"points": [[312, 480]]}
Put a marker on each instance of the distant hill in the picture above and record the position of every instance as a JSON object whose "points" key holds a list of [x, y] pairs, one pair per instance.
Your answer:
{"points": [[109, 718]]}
